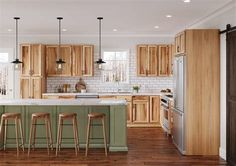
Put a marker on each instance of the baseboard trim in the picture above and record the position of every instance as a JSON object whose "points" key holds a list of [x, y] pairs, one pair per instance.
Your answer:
{"points": [[118, 149], [222, 153]]}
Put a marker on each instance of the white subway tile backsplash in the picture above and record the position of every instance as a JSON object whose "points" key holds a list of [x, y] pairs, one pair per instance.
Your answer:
{"points": [[95, 84]]}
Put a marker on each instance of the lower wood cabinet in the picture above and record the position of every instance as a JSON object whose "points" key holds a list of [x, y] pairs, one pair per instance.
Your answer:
{"points": [[129, 107], [32, 87], [142, 111], [155, 109]]}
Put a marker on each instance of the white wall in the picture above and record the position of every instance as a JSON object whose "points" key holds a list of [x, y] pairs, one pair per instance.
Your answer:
{"points": [[219, 19], [109, 42]]}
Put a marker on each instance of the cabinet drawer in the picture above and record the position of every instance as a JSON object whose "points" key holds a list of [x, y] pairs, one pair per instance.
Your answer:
{"points": [[140, 98], [67, 97], [107, 97], [127, 98]]}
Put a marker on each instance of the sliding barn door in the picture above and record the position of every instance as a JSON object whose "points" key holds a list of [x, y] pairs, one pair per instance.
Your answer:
{"points": [[231, 98]]}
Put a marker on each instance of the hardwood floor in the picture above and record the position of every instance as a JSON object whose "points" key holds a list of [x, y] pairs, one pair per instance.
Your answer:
{"points": [[147, 146]]}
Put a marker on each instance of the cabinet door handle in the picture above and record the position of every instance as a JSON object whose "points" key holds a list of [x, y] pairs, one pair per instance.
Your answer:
{"points": [[177, 48]]}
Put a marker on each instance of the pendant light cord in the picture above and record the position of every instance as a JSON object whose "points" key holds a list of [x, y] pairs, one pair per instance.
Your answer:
{"points": [[16, 38], [100, 39], [100, 36], [16, 18], [59, 48], [59, 39]]}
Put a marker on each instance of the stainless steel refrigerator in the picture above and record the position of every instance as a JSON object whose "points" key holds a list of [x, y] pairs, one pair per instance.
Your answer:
{"points": [[178, 110]]}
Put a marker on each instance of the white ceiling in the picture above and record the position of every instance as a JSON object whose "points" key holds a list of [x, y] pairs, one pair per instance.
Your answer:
{"points": [[133, 17]]}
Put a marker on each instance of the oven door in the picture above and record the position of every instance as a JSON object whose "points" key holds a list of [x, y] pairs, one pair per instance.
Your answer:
{"points": [[165, 117]]}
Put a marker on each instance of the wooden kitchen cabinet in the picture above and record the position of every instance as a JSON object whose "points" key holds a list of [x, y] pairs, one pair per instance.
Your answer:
{"points": [[155, 109], [171, 58], [33, 58], [52, 57], [140, 109], [129, 107], [147, 60], [25, 88], [164, 60], [129, 104], [83, 60], [154, 60], [180, 43], [32, 87], [202, 91], [142, 52]]}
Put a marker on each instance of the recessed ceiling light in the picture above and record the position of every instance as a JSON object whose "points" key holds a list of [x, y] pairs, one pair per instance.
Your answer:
{"points": [[187, 1], [115, 30], [168, 16], [64, 30], [9, 30], [156, 26]]}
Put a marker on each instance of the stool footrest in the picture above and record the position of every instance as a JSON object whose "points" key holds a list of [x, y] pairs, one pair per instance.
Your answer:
{"points": [[95, 124], [9, 124], [12, 138], [66, 124], [96, 138], [40, 124], [67, 138], [42, 137]]}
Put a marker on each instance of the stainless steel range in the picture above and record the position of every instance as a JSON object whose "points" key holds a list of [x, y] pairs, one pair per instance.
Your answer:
{"points": [[166, 112]]}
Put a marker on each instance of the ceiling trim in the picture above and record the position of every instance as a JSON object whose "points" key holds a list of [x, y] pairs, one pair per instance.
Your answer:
{"points": [[88, 35], [215, 13]]}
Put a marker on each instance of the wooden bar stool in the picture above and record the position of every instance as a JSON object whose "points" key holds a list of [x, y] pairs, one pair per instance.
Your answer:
{"points": [[18, 121], [68, 116], [98, 116], [47, 123]]}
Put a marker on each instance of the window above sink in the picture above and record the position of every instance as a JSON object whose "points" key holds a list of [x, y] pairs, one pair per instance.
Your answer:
{"points": [[116, 68]]}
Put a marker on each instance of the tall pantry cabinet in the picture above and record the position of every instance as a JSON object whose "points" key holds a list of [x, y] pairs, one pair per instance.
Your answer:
{"points": [[202, 91], [32, 81]]}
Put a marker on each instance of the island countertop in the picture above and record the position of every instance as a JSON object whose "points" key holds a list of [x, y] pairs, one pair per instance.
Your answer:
{"points": [[67, 102]]}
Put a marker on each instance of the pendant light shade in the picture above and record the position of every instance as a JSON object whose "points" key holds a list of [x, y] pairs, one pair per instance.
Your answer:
{"points": [[59, 61], [16, 62], [100, 61]]}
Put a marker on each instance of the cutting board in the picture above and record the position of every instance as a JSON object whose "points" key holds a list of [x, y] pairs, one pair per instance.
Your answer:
{"points": [[80, 85]]}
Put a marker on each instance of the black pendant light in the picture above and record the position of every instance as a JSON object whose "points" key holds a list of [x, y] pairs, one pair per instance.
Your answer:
{"points": [[100, 61], [59, 61], [16, 62]]}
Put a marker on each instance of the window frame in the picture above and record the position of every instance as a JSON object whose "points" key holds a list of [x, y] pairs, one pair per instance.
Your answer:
{"points": [[128, 65]]}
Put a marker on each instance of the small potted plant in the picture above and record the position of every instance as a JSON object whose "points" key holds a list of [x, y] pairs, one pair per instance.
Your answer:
{"points": [[136, 88]]}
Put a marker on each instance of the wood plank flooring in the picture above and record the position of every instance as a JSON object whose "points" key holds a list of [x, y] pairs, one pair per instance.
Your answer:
{"points": [[147, 146]]}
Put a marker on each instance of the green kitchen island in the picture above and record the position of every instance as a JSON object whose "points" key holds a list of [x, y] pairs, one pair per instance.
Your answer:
{"points": [[115, 111]]}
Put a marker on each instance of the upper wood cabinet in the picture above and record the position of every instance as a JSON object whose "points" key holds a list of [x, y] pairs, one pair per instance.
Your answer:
{"points": [[147, 60], [142, 52], [171, 58], [33, 58], [164, 60], [180, 43], [32, 87], [52, 57], [83, 60]]}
